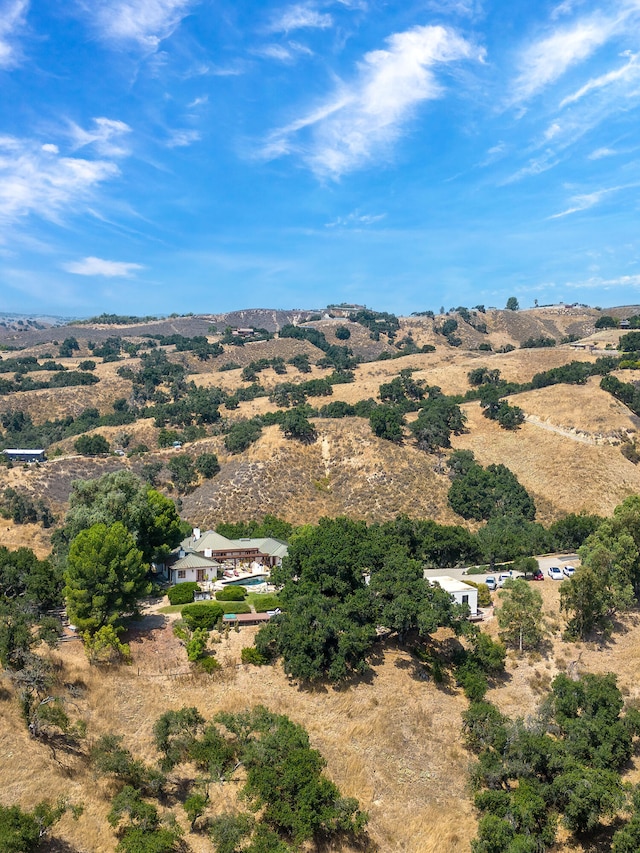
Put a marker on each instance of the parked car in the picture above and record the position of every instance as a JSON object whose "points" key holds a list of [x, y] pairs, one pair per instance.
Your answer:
{"points": [[491, 583], [538, 575], [555, 574], [505, 576], [569, 571]]}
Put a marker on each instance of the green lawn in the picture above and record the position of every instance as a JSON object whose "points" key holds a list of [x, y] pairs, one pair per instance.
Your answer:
{"points": [[228, 606]]}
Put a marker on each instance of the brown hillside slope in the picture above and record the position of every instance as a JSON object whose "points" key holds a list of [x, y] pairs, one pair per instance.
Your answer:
{"points": [[562, 473], [346, 471], [585, 409]]}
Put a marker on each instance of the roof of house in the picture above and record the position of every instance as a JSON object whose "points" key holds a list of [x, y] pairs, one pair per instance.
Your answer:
{"points": [[22, 450], [193, 561], [450, 584], [269, 546], [212, 541]]}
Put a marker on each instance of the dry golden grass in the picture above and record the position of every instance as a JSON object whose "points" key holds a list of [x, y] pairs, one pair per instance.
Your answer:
{"points": [[32, 536], [391, 741], [563, 473], [585, 410]]}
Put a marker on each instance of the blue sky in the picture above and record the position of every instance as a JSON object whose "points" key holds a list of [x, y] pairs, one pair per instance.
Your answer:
{"points": [[176, 155]]}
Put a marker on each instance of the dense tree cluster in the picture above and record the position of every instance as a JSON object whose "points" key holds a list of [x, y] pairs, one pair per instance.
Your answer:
{"points": [[541, 341], [283, 782], [562, 765], [481, 493], [328, 629], [21, 508], [608, 580]]}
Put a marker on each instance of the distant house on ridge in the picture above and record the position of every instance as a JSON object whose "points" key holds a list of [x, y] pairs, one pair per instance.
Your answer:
{"points": [[20, 455]]}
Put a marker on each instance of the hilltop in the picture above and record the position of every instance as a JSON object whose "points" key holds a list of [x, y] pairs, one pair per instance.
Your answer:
{"points": [[567, 453]]}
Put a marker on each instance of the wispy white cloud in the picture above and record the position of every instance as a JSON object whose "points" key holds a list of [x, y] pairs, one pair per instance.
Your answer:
{"points": [[183, 138], [145, 22], [598, 283], [588, 200], [355, 219], [365, 117], [35, 179], [599, 153], [629, 71], [565, 8], [462, 8], [547, 59], [13, 14], [105, 136], [198, 102], [495, 153], [300, 16], [353, 4], [536, 166], [282, 53], [274, 51], [98, 266], [552, 131]]}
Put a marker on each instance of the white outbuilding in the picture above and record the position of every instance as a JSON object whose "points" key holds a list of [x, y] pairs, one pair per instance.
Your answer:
{"points": [[460, 592]]}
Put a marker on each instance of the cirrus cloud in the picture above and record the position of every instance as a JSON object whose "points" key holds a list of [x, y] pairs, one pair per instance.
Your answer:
{"points": [[300, 16], [35, 179], [98, 266], [366, 116], [145, 22], [13, 15]]}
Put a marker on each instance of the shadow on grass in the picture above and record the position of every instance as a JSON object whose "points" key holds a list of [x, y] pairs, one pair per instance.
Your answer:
{"points": [[361, 842], [598, 841], [58, 845], [137, 630], [376, 658]]}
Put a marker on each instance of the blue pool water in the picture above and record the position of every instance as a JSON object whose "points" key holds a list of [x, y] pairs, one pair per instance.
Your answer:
{"points": [[254, 581]]}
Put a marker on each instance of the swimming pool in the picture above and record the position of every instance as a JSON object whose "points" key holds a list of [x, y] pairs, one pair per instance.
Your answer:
{"points": [[256, 580]]}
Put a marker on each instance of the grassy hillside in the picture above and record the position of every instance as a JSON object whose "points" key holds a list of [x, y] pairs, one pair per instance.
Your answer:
{"points": [[393, 739]]}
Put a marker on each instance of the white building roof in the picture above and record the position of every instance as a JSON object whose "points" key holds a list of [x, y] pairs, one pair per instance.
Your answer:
{"points": [[451, 585]]}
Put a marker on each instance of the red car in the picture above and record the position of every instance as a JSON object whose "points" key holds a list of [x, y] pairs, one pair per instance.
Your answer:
{"points": [[538, 575]]}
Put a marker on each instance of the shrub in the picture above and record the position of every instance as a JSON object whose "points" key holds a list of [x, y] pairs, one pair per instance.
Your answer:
{"points": [[251, 655], [606, 322], [242, 435], [342, 333], [197, 644], [183, 593], [473, 682], [208, 665], [484, 596], [534, 343], [232, 593], [202, 615]]}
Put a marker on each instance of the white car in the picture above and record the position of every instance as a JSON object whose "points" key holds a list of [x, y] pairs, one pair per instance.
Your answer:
{"points": [[569, 571], [505, 576], [491, 582], [555, 574]]}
